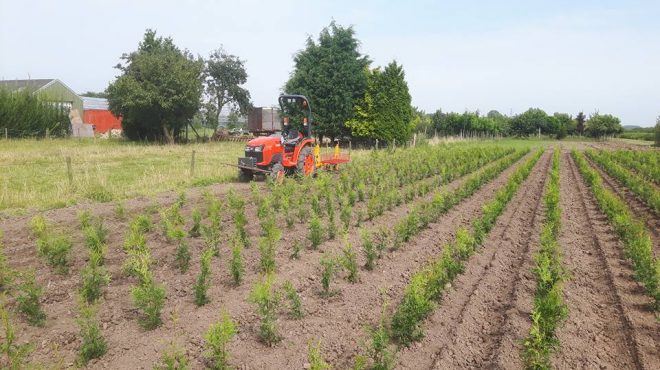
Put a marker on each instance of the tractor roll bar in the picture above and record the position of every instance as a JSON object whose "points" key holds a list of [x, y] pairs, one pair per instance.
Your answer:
{"points": [[304, 104]]}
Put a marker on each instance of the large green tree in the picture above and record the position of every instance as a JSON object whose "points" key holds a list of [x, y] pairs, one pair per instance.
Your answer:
{"points": [[529, 122], [385, 112], [224, 76], [580, 120], [330, 72], [159, 89], [600, 125]]}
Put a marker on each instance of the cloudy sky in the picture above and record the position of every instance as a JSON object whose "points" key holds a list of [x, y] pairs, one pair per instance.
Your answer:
{"points": [[558, 55]]}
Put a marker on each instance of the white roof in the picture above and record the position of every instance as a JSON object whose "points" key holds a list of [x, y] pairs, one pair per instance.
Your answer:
{"points": [[94, 103]]}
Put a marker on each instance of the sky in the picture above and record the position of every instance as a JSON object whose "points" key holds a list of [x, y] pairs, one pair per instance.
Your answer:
{"points": [[508, 55]]}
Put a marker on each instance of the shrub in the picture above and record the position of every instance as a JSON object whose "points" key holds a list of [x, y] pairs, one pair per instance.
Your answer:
{"points": [[182, 260], [240, 219], [217, 337], [197, 220], [56, 249], [370, 251], [268, 247], [211, 236], [38, 226], [172, 359], [329, 265], [315, 233], [28, 301], [267, 300], [315, 358], [13, 352], [203, 279], [349, 261], [93, 277], [295, 304], [378, 348], [120, 210], [345, 214], [93, 344], [295, 253], [149, 298], [236, 262]]}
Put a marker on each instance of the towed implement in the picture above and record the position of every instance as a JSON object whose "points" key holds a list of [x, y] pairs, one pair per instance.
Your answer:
{"points": [[289, 152]]}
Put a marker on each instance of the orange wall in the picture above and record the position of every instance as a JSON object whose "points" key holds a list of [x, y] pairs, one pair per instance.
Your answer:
{"points": [[103, 120]]}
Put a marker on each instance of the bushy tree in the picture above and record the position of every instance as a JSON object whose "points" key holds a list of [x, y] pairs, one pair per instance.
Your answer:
{"points": [[224, 75], [580, 120], [565, 125], [330, 73], [385, 112], [158, 91], [600, 125], [529, 122]]}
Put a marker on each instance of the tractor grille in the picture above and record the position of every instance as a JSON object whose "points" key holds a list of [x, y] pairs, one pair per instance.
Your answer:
{"points": [[258, 155]]}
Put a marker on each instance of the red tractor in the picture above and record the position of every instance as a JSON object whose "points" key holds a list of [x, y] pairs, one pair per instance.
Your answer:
{"points": [[288, 152]]}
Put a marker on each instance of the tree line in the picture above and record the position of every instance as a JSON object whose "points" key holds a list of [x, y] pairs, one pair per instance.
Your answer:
{"points": [[532, 122]]}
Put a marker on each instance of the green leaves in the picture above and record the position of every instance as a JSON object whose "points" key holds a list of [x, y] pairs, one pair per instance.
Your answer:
{"points": [[158, 91], [385, 112], [330, 72]]}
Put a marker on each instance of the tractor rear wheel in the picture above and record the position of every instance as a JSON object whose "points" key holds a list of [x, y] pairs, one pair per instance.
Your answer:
{"points": [[306, 165], [277, 173], [245, 175]]}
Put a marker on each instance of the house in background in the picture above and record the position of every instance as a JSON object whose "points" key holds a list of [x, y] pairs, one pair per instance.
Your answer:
{"points": [[97, 113], [57, 93]]}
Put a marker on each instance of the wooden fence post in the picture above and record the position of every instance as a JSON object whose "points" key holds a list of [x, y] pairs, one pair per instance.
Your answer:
{"points": [[69, 172], [414, 140], [376, 144], [6, 134], [192, 164]]}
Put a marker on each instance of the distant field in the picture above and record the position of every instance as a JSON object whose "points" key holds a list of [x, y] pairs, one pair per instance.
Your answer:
{"points": [[34, 172]]}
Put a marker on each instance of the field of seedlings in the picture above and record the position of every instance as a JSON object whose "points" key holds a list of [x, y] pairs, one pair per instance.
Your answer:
{"points": [[450, 256]]}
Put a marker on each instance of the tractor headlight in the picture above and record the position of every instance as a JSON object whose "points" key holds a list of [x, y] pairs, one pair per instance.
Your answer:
{"points": [[249, 149], [259, 148]]}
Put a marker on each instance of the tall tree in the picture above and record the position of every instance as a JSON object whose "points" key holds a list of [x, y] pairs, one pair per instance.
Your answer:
{"points": [[385, 112], [331, 73], [600, 125], [159, 90], [580, 120], [657, 132], [224, 75], [529, 122]]}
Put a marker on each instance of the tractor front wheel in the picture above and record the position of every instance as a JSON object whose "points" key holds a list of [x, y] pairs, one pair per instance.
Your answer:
{"points": [[245, 175], [306, 165]]}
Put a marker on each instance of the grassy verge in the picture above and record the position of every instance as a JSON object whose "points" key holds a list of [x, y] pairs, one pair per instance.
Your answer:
{"points": [[631, 231], [549, 307]]}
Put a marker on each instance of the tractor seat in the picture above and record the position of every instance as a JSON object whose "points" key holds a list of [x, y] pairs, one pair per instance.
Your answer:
{"points": [[291, 141]]}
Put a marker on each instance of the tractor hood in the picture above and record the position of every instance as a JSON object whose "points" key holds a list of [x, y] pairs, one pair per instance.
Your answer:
{"points": [[265, 140]]}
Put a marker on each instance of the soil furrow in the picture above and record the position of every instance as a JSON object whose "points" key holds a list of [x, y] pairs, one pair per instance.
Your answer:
{"points": [[632, 327], [636, 205], [339, 322], [465, 331], [593, 334]]}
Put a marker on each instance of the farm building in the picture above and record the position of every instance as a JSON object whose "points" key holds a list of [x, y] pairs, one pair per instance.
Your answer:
{"points": [[97, 113], [55, 91], [50, 89]]}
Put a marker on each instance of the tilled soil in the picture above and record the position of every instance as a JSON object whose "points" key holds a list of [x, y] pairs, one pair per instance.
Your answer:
{"points": [[610, 322], [480, 319], [478, 324], [184, 323], [639, 209]]}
